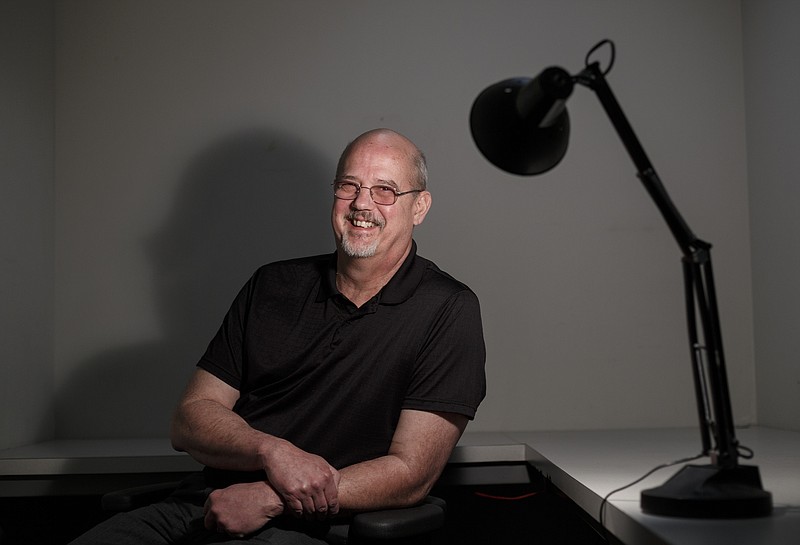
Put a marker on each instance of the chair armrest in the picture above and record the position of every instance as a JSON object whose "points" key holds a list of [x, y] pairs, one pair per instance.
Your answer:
{"points": [[138, 496], [400, 523]]}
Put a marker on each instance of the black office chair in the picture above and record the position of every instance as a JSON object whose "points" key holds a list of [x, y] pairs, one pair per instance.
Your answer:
{"points": [[411, 525]]}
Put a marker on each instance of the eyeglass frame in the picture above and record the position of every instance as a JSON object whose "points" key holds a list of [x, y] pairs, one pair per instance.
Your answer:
{"points": [[359, 187]]}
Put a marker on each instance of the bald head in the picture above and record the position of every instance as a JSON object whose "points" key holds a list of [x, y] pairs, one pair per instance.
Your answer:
{"points": [[390, 138]]}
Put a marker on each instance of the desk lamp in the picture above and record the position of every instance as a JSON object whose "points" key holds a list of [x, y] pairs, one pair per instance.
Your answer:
{"points": [[521, 125]]}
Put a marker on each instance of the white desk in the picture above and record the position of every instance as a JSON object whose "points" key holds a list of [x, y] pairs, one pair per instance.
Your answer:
{"points": [[66, 467], [585, 465]]}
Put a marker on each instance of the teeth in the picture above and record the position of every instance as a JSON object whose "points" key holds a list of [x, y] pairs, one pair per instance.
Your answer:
{"points": [[360, 223]]}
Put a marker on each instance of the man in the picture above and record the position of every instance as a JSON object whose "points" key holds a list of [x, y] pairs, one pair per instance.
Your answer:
{"points": [[336, 384]]}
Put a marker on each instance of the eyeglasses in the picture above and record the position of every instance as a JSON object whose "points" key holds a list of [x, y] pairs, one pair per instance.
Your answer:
{"points": [[381, 194]]}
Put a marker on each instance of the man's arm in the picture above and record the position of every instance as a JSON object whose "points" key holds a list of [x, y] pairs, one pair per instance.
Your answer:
{"points": [[420, 449], [421, 446], [205, 426]]}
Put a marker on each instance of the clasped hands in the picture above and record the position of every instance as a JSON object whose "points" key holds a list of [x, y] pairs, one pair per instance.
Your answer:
{"points": [[298, 484]]}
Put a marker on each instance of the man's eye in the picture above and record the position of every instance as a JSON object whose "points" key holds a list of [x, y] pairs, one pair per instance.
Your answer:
{"points": [[383, 189]]}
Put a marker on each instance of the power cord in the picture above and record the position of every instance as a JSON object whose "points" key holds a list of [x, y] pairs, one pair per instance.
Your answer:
{"points": [[640, 479]]}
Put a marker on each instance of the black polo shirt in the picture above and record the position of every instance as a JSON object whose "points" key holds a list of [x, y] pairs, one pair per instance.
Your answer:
{"points": [[332, 378]]}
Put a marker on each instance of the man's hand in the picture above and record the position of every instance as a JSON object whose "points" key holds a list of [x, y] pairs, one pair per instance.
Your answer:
{"points": [[242, 509], [306, 482]]}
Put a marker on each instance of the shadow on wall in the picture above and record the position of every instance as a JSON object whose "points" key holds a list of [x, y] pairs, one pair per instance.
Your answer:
{"points": [[247, 200]]}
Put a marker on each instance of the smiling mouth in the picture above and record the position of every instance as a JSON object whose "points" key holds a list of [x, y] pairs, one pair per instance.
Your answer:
{"points": [[364, 222]]}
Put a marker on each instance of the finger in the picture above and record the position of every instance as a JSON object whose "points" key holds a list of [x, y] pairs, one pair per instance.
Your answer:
{"points": [[321, 508], [310, 506], [210, 523], [294, 506], [332, 497], [333, 507]]}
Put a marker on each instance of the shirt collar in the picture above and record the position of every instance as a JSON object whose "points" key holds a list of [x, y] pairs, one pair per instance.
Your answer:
{"points": [[399, 288]]}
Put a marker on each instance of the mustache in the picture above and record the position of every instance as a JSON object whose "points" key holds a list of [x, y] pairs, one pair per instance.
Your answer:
{"points": [[365, 216]]}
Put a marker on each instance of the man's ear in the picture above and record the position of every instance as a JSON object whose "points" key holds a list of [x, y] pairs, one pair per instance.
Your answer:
{"points": [[421, 206]]}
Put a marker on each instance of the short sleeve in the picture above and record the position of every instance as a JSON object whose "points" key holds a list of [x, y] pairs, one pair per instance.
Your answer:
{"points": [[449, 375], [224, 357]]}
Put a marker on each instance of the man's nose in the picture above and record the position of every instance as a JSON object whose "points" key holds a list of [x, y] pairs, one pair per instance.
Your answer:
{"points": [[363, 199]]}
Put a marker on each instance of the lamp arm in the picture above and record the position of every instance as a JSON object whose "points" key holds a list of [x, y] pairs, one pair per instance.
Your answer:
{"points": [[593, 78], [708, 363]]}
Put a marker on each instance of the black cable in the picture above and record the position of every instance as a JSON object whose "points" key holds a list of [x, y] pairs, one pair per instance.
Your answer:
{"points": [[640, 479], [744, 452]]}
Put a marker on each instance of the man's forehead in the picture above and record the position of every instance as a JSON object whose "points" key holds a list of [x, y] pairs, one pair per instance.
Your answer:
{"points": [[374, 181], [390, 161]]}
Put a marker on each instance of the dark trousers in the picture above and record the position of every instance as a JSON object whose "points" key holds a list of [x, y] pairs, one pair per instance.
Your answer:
{"points": [[178, 520]]}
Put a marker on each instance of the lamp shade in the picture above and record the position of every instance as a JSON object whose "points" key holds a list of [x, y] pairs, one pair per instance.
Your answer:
{"points": [[521, 125]]}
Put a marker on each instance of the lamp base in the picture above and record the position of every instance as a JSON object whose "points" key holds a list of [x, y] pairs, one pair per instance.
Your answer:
{"points": [[710, 491]]}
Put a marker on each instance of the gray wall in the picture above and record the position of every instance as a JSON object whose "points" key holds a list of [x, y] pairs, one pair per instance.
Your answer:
{"points": [[26, 221], [196, 140], [773, 136]]}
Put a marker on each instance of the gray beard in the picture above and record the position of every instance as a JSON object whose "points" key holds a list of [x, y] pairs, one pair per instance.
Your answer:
{"points": [[352, 249]]}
